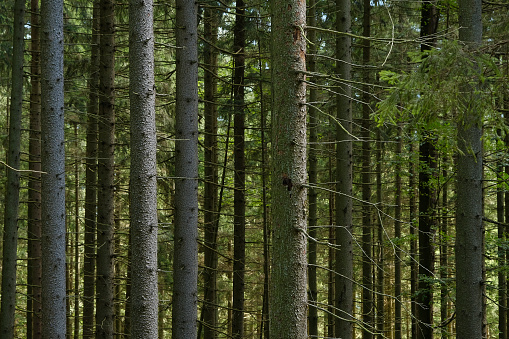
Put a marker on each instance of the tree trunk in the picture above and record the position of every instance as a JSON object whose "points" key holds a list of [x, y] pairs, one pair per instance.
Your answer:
{"points": [[367, 276], [106, 163], [10, 248], [344, 251], [469, 225], [288, 297], [91, 183], [239, 199], [313, 174], [210, 216], [53, 166], [397, 235], [185, 261], [34, 324], [143, 188]]}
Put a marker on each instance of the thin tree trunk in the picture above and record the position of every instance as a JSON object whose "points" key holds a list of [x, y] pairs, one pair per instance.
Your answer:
{"points": [[288, 306], [397, 236], [34, 324], [414, 268], [10, 244], [239, 200], [53, 166], [106, 185], [313, 174], [380, 267], [185, 261], [444, 255], [91, 182], [344, 176], [367, 276], [210, 216], [143, 188]]}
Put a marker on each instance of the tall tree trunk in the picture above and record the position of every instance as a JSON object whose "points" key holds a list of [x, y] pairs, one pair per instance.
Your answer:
{"points": [[34, 324], [367, 276], [313, 174], [288, 306], [427, 195], [185, 261], [414, 268], [469, 225], [210, 216], [344, 251], [444, 252], [380, 266], [397, 235], [239, 200], [91, 182], [10, 248], [106, 185], [143, 188], [53, 164]]}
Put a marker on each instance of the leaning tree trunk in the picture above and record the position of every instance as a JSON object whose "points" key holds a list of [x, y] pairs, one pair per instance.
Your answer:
{"points": [[53, 166], [469, 213], [143, 188], [185, 261], [9, 259], [288, 303]]}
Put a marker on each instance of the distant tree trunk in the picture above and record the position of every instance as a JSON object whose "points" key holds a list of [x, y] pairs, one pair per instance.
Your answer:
{"points": [[380, 266], [143, 174], [239, 200], [106, 163], [344, 176], [91, 183], [10, 244], [288, 307], [185, 261], [469, 225], [367, 275], [313, 174], [34, 324], [444, 252], [397, 235], [210, 216], [53, 164], [427, 195], [414, 268]]}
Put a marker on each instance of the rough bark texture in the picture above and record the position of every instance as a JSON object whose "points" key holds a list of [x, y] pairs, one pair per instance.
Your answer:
{"points": [[106, 163], [53, 164], [288, 297], [143, 207], [469, 225], [344, 228], [10, 244], [185, 261], [239, 200], [34, 324], [91, 183]]}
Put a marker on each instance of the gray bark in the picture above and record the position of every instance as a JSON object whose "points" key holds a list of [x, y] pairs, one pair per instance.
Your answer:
{"points": [[469, 225], [53, 164], [185, 261], [9, 258], [288, 297], [143, 189], [344, 228]]}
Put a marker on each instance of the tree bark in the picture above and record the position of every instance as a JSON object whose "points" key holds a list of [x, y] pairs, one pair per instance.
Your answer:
{"points": [[10, 245], [469, 225], [344, 176], [185, 261], [288, 306], [53, 166], [143, 176]]}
